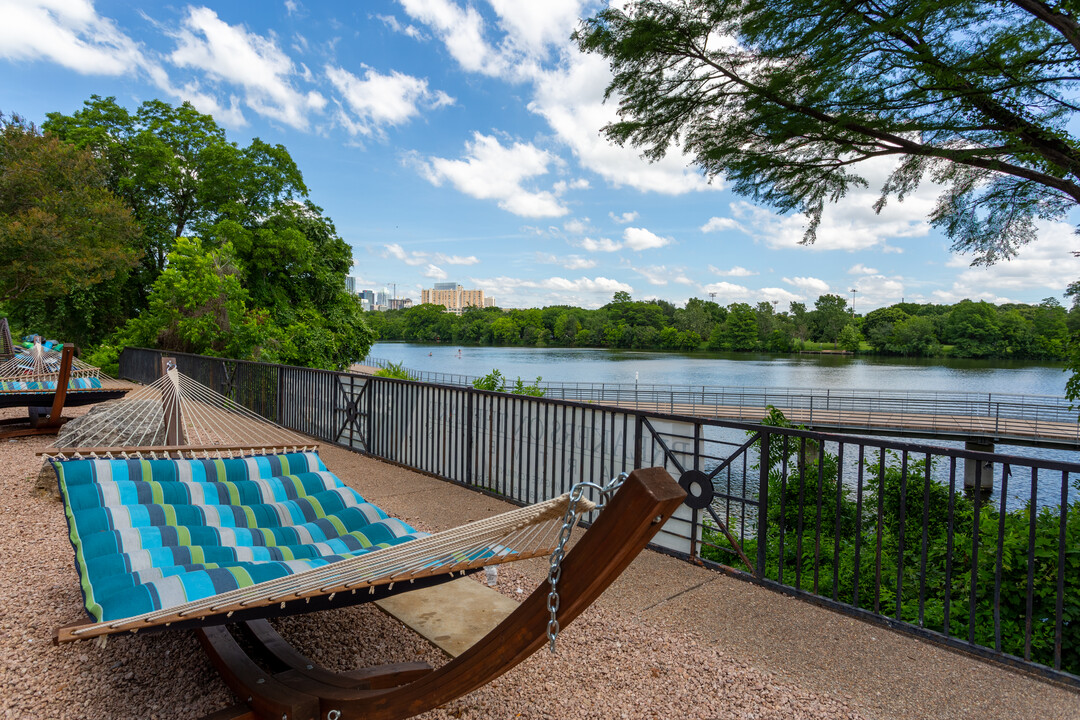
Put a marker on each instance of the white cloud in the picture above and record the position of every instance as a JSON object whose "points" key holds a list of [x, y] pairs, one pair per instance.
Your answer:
{"points": [[462, 31], [410, 30], [562, 186], [456, 259], [778, 294], [626, 217], [874, 291], [810, 285], [737, 271], [577, 226], [490, 171], [230, 54], [727, 292], [409, 258], [378, 100], [850, 224], [860, 269], [71, 34], [417, 257], [600, 245], [582, 291], [662, 275], [570, 98], [718, 223], [1046, 265], [570, 262], [434, 272], [642, 239], [291, 6], [531, 27]]}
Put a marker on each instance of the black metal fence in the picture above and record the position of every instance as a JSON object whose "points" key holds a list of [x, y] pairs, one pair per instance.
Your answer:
{"points": [[1009, 417], [979, 551]]}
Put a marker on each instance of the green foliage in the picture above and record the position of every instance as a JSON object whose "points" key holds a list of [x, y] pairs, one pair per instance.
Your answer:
{"points": [[198, 305], [64, 236], [236, 260], [903, 488], [850, 338], [395, 370], [1025, 331], [495, 381], [106, 357], [789, 100]]}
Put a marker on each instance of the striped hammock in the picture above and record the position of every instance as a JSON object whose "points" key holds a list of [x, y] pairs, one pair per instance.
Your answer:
{"points": [[200, 529]]}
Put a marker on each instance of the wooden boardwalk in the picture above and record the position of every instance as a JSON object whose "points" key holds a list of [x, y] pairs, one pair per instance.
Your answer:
{"points": [[964, 427]]}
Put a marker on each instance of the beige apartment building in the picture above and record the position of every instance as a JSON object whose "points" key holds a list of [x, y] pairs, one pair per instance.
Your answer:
{"points": [[455, 298]]}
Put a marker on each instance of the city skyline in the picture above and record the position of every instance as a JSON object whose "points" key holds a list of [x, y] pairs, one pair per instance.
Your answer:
{"points": [[455, 141]]}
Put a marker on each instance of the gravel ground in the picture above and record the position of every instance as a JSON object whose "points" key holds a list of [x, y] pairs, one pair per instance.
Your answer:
{"points": [[611, 663]]}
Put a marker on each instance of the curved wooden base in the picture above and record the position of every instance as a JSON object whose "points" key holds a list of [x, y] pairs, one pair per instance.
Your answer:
{"points": [[295, 688]]}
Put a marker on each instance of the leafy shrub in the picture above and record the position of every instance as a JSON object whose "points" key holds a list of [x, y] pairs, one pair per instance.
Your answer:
{"points": [[395, 370], [812, 517], [495, 381]]}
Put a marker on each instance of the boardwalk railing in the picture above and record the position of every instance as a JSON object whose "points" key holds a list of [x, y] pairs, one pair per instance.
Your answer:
{"points": [[1005, 417], [979, 551]]}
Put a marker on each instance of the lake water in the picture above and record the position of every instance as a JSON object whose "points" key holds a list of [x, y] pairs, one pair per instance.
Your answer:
{"points": [[756, 370], [732, 369]]}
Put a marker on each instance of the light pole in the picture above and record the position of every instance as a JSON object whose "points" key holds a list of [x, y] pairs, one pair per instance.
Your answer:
{"points": [[853, 291]]}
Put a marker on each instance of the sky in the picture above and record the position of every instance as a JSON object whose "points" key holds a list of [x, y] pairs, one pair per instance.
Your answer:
{"points": [[461, 142]]}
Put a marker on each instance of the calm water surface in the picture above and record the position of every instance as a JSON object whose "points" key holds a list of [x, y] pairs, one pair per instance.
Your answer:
{"points": [[733, 369], [757, 370]]}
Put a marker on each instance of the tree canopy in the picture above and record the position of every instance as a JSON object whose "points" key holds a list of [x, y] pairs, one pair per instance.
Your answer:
{"points": [[236, 259], [177, 171], [789, 99], [966, 329], [62, 232]]}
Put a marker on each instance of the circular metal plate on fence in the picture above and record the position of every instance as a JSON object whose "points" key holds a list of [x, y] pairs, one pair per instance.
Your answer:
{"points": [[698, 487]]}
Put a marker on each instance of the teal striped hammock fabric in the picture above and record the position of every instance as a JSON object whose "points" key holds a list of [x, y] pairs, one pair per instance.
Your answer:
{"points": [[150, 534], [80, 383]]}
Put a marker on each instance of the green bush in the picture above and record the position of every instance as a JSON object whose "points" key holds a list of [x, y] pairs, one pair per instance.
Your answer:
{"points": [[810, 491], [495, 381], [395, 370]]}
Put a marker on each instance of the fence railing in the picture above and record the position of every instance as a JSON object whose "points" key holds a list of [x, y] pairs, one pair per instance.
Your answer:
{"points": [[980, 551], [1002, 416]]}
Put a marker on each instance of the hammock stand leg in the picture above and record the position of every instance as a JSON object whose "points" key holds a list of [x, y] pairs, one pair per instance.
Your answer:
{"points": [[47, 421], [646, 500]]}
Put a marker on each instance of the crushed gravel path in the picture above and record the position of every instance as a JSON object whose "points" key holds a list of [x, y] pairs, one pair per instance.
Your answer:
{"points": [[636, 654]]}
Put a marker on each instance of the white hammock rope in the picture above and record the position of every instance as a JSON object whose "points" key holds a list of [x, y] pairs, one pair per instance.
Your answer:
{"points": [[522, 533], [37, 364], [209, 420]]}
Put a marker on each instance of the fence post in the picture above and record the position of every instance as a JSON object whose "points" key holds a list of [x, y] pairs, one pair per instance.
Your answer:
{"points": [[469, 437], [639, 426], [763, 505]]}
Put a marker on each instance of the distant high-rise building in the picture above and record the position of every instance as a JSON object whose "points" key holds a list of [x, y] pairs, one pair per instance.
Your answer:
{"points": [[400, 303], [453, 297], [381, 298], [367, 299], [350, 284]]}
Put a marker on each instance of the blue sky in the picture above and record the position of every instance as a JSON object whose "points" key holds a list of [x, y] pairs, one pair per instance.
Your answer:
{"points": [[454, 141]]}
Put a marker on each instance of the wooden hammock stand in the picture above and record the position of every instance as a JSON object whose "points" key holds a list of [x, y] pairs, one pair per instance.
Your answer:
{"points": [[45, 408], [276, 682]]}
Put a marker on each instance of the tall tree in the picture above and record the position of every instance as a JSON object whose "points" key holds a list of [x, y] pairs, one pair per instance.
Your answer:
{"points": [[829, 316], [177, 171], [788, 98], [62, 232]]}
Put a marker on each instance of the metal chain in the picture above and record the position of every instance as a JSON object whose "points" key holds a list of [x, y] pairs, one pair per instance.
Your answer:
{"points": [[569, 521]]}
